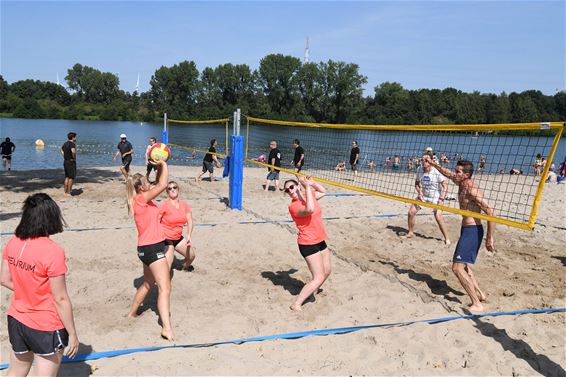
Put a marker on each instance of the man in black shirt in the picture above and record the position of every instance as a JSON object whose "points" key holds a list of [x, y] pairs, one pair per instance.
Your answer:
{"points": [[69, 152], [7, 148], [125, 150], [354, 157], [209, 161], [275, 160], [299, 159]]}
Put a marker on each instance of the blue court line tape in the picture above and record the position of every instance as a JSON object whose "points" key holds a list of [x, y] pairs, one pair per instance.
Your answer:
{"points": [[298, 335]]}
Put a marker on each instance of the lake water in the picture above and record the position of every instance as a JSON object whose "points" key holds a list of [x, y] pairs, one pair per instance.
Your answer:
{"points": [[96, 143]]}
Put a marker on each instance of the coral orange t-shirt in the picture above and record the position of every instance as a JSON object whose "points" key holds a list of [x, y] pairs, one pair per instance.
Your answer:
{"points": [[174, 219], [311, 229], [32, 262], [146, 215]]}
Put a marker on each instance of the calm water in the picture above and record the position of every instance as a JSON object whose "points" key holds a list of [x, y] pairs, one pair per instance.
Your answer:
{"points": [[96, 143]]}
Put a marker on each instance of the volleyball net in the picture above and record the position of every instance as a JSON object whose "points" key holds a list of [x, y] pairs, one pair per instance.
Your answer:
{"points": [[506, 166], [191, 138]]}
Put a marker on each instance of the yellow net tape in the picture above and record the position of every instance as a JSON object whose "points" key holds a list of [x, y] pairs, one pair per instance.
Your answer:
{"points": [[389, 155], [196, 138]]}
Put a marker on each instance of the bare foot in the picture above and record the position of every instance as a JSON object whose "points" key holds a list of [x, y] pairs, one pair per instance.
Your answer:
{"points": [[482, 296], [447, 242], [167, 335], [186, 266], [296, 308], [132, 315], [476, 308], [409, 235]]}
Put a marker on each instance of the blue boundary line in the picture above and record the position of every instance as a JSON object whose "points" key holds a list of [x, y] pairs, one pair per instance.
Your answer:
{"points": [[297, 335]]}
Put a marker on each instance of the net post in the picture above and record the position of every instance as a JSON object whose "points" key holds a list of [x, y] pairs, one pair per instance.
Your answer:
{"points": [[236, 171], [164, 135]]}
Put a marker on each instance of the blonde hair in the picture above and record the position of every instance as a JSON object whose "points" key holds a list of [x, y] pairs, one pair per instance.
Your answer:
{"points": [[133, 185]]}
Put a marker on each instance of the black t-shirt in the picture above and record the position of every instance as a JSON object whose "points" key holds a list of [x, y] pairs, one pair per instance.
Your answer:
{"points": [[274, 154], [298, 152], [67, 150], [355, 151], [208, 156], [125, 147], [7, 147]]}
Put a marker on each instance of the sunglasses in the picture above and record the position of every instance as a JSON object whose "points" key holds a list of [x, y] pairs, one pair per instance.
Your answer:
{"points": [[172, 188], [289, 188]]}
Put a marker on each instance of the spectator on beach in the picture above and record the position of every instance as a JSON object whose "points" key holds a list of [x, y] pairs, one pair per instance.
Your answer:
{"points": [[152, 251], [371, 166], [274, 159], [514, 171], [150, 166], [410, 164], [209, 161], [354, 157], [471, 198], [7, 148], [40, 315], [431, 187], [388, 162], [341, 166], [125, 150], [396, 163], [175, 213], [307, 215], [444, 159], [69, 152], [299, 158], [538, 165], [482, 162]]}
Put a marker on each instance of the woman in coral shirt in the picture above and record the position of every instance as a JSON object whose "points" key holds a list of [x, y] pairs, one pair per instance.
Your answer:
{"points": [[175, 213], [152, 250], [40, 316], [306, 213]]}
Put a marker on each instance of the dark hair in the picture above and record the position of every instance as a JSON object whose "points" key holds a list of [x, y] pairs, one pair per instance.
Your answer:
{"points": [[7, 139], [153, 138], [355, 142], [41, 217], [467, 166], [212, 142], [71, 135], [296, 141], [290, 180]]}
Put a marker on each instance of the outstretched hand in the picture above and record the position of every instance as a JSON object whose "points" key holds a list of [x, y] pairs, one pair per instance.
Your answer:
{"points": [[305, 181]]}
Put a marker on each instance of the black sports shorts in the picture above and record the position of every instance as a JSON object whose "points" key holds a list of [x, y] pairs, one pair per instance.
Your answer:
{"points": [[151, 253], [307, 250], [70, 169], [173, 242], [44, 343]]}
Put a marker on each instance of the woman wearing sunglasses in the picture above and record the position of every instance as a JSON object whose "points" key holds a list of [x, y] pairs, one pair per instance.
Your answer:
{"points": [[175, 213], [151, 243], [306, 213]]}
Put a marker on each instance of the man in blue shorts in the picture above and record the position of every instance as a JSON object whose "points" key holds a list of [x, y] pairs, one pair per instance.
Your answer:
{"points": [[471, 198]]}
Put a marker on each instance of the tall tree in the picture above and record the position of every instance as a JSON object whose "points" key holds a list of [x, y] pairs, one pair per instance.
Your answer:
{"points": [[278, 78], [93, 85]]}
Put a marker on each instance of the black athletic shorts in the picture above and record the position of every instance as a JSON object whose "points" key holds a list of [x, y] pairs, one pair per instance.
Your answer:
{"points": [[44, 343], [307, 250], [151, 167], [7, 157], [126, 161], [151, 253], [173, 242], [207, 166], [70, 169]]}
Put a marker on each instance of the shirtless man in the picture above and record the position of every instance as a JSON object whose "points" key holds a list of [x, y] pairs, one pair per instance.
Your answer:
{"points": [[471, 198]]}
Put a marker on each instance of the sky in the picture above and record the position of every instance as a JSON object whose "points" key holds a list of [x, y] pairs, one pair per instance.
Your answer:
{"points": [[485, 46]]}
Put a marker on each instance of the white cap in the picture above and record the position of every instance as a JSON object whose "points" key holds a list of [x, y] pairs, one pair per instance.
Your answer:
{"points": [[123, 136], [427, 149]]}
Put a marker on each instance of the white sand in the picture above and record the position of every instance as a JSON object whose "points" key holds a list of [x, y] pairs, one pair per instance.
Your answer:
{"points": [[246, 275]]}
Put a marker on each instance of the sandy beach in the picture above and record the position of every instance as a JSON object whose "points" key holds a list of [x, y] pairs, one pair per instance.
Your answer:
{"points": [[247, 274]]}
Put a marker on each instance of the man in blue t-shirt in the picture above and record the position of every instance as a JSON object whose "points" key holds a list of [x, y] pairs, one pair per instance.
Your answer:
{"points": [[125, 150]]}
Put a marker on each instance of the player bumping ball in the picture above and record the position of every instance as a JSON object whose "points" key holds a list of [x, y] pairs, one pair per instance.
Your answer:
{"points": [[160, 152]]}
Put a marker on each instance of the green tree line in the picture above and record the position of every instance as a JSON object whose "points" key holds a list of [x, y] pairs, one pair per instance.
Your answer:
{"points": [[281, 88]]}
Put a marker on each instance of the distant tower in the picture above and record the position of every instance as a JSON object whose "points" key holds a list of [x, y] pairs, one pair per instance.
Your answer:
{"points": [[138, 85], [307, 51], [58, 82]]}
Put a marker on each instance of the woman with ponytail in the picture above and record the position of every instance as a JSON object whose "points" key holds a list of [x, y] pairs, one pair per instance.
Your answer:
{"points": [[152, 250]]}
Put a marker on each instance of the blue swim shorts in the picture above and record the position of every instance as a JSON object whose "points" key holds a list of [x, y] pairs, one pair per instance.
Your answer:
{"points": [[469, 244]]}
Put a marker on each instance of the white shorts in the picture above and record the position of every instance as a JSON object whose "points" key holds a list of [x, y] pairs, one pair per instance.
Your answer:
{"points": [[427, 200]]}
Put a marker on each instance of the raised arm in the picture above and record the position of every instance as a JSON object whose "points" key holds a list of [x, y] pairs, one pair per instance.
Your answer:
{"points": [[442, 170], [162, 178], [320, 191], [65, 310]]}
